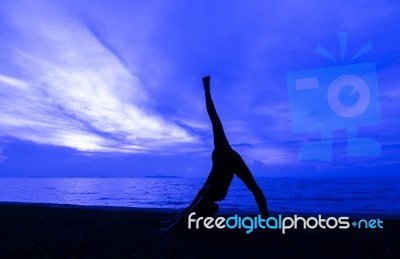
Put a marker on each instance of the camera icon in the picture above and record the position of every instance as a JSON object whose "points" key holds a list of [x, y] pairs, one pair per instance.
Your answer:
{"points": [[337, 97]]}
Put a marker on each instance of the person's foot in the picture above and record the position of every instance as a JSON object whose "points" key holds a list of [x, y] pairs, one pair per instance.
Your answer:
{"points": [[206, 84]]}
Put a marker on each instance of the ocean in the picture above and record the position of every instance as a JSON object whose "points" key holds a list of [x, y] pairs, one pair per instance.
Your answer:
{"points": [[368, 195]]}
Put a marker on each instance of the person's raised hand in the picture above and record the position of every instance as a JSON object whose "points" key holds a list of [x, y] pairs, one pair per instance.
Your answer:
{"points": [[206, 83]]}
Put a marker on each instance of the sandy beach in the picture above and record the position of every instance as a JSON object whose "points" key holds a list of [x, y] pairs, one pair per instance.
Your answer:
{"points": [[61, 231]]}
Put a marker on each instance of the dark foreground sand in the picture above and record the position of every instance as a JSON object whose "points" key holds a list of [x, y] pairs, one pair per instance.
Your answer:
{"points": [[28, 231]]}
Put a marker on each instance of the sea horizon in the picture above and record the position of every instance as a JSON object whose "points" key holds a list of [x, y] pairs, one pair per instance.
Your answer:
{"points": [[285, 195]]}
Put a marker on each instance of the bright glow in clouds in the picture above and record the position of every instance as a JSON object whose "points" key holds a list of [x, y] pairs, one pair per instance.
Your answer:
{"points": [[73, 92], [106, 79]]}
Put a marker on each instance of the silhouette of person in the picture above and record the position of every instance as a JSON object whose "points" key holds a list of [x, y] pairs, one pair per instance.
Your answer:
{"points": [[226, 163]]}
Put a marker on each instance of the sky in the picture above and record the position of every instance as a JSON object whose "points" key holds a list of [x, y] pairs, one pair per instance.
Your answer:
{"points": [[113, 88]]}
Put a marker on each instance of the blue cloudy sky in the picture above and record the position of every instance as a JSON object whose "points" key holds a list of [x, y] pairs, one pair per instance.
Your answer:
{"points": [[113, 88]]}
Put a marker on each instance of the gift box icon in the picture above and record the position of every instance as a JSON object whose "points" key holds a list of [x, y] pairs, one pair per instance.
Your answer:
{"points": [[345, 96]]}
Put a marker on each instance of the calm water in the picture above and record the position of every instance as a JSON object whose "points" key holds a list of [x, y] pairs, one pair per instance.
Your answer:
{"points": [[309, 195]]}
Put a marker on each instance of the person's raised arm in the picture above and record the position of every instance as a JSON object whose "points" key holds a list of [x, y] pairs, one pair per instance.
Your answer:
{"points": [[183, 214]]}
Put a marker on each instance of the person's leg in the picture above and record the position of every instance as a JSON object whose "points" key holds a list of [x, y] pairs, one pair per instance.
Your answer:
{"points": [[220, 140], [244, 174]]}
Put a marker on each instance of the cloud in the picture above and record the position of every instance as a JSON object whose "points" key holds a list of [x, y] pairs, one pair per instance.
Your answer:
{"points": [[2, 156], [126, 76], [72, 89], [267, 154], [13, 82]]}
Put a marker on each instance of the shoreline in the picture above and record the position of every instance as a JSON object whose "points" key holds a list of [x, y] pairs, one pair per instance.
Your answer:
{"points": [[221, 212]]}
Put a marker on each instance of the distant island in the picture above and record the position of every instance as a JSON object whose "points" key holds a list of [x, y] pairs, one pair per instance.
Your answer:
{"points": [[162, 176]]}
